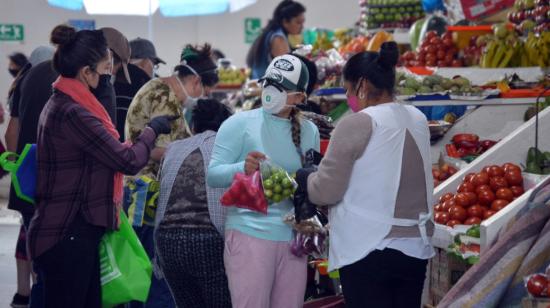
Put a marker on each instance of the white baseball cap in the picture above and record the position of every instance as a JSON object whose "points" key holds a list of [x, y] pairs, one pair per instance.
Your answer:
{"points": [[289, 72]]}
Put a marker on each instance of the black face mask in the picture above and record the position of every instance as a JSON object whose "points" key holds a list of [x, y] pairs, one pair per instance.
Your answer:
{"points": [[13, 72]]}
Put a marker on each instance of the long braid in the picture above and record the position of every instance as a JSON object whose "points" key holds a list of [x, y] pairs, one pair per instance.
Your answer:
{"points": [[296, 130]]}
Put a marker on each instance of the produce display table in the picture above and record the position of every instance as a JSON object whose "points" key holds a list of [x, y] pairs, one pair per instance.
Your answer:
{"points": [[451, 102], [493, 122], [513, 148], [485, 102]]}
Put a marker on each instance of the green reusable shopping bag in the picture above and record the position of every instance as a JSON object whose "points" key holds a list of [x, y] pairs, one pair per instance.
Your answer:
{"points": [[125, 266], [23, 171]]}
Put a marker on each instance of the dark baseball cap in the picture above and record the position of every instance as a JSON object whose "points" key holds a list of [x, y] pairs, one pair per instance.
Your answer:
{"points": [[144, 49], [118, 43]]}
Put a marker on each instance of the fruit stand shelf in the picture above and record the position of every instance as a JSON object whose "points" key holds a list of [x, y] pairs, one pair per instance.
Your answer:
{"points": [[400, 35], [493, 122], [485, 102], [513, 148]]}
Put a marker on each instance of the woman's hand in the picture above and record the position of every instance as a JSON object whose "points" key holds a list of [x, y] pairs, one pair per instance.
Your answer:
{"points": [[252, 162]]}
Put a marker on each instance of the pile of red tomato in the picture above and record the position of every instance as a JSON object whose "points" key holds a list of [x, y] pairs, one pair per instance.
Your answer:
{"points": [[480, 196]]}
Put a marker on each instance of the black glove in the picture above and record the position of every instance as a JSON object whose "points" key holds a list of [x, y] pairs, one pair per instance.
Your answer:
{"points": [[301, 177], [303, 208], [161, 124], [313, 158]]}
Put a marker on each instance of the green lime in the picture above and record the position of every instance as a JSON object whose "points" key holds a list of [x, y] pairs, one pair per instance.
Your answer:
{"points": [[268, 184], [277, 198], [287, 192], [268, 193], [287, 183], [277, 189], [276, 178]]}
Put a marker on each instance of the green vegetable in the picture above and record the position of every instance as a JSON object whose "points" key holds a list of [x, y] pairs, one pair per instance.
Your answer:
{"points": [[474, 231], [457, 240], [472, 260], [535, 155], [533, 167], [469, 158], [537, 161]]}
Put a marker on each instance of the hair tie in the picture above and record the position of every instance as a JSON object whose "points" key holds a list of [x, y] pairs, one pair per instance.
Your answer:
{"points": [[188, 54]]}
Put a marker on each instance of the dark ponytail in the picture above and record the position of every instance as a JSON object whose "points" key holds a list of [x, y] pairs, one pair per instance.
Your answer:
{"points": [[376, 67], [76, 50], [285, 11]]}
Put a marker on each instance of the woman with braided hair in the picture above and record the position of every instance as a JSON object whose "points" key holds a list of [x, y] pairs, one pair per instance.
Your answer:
{"points": [[260, 268]]}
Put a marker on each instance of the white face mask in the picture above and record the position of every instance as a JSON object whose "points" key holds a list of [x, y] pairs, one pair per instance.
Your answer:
{"points": [[190, 101], [275, 100]]}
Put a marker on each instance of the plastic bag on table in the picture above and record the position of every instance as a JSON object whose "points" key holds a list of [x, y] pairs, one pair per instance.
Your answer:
{"points": [[277, 184], [246, 192], [308, 244]]}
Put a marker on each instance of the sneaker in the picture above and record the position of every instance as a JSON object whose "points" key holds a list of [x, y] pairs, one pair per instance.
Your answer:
{"points": [[20, 301]]}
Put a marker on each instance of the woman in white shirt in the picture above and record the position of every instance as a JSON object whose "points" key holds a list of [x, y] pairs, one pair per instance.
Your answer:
{"points": [[376, 179]]}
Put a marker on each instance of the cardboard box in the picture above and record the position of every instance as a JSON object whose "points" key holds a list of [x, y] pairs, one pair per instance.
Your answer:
{"points": [[475, 9], [445, 271]]}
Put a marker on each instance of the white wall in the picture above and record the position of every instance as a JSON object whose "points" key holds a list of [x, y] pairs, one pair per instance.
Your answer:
{"points": [[224, 31]]}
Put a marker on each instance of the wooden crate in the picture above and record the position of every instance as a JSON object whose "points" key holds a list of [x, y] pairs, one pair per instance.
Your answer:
{"points": [[445, 271]]}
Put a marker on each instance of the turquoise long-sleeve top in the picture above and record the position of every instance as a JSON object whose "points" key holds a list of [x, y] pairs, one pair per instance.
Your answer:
{"points": [[257, 130]]}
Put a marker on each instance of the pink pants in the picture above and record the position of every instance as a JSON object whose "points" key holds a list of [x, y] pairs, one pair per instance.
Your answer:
{"points": [[262, 273]]}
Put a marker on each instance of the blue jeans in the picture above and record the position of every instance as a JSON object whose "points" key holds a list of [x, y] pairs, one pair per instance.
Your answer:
{"points": [[159, 293]]}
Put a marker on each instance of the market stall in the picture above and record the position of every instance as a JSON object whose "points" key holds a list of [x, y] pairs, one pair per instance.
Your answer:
{"points": [[474, 80]]}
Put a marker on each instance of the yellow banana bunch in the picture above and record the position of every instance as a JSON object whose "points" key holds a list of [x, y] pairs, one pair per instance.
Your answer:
{"points": [[488, 54], [538, 49], [512, 52]]}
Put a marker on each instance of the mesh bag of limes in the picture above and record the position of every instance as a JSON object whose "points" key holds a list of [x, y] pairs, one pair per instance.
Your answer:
{"points": [[277, 184]]}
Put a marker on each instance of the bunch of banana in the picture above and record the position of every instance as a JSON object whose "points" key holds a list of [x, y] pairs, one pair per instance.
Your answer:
{"points": [[502, 52], [537, 49]]}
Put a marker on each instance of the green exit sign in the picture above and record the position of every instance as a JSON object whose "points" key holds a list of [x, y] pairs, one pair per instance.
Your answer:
{"points": [[12, 32], [252, 29]]}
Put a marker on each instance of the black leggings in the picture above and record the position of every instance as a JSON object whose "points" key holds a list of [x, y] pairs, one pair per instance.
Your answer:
{"points": [[384, 278], [70, 269], [192, 263]]}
